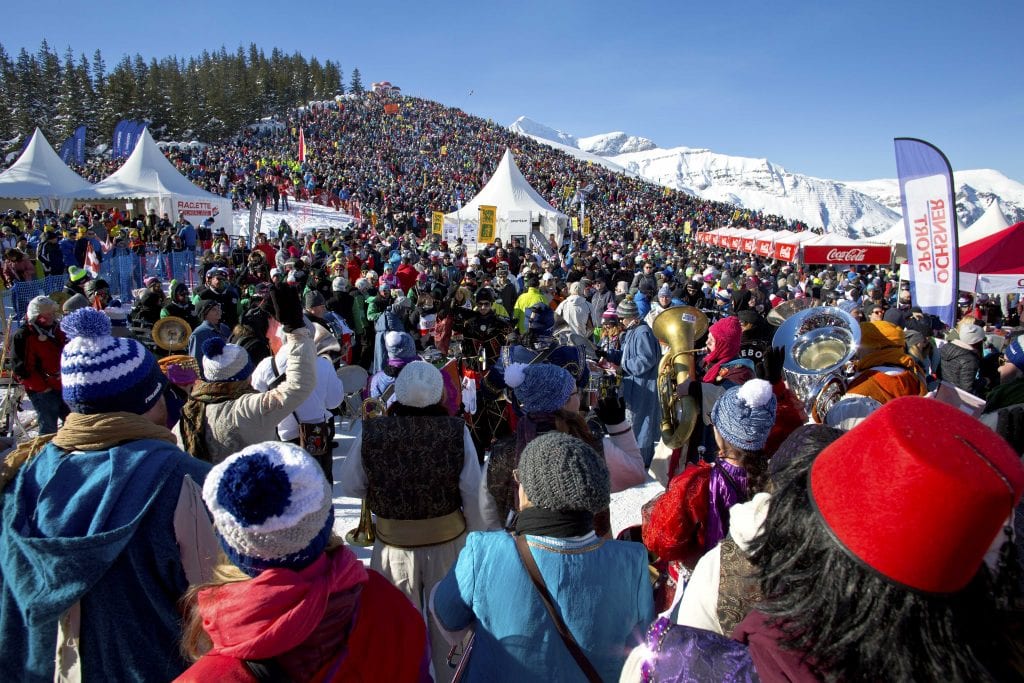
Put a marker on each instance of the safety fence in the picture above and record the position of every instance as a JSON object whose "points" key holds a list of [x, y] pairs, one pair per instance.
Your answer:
{"points": [[124, 272]]}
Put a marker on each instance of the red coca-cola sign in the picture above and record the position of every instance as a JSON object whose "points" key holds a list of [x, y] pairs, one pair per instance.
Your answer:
{"points": [[848, 255], [764, 248], [734, 242], [748, 245]]}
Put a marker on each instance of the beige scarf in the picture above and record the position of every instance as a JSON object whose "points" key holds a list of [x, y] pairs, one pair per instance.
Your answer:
{"points": [[86, 433]]}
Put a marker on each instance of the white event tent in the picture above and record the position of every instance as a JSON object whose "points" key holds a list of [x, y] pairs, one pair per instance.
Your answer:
{"points": [[148, 176], [40, 175], [520, 208]]}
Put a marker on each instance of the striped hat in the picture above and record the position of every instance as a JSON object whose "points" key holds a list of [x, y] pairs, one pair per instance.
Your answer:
{"points": [[105, 374], [223, 362], [271, 506]]}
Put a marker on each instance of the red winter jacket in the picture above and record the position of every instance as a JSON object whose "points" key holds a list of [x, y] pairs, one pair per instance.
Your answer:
{"points": [[36, 359]]}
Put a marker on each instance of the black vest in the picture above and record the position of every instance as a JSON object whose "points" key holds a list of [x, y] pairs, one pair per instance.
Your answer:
{"points": [[412, 465]]}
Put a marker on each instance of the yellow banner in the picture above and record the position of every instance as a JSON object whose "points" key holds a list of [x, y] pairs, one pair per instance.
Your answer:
{"points": [[436, 222], [444, 150], [686, 228], [575, 223], [586, 226], [488, 224]]}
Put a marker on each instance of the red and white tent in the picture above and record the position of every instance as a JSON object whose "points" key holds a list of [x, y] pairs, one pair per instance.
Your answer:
{"points": [[787, 247], [994, 264]]}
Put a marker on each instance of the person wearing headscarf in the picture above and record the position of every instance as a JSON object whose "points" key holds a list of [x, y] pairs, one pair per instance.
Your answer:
{"points": [[288, 597], [562, 483], [909, 508], [884, 370], [417, 471]]}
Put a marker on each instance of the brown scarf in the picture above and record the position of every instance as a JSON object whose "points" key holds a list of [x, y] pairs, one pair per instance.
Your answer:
{"points": [[193, 415], [86, 433]]}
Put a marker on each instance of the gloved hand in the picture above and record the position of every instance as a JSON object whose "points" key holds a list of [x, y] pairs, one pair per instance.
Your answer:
{"points": [[287, 307], [611, 409], [774, 359]]}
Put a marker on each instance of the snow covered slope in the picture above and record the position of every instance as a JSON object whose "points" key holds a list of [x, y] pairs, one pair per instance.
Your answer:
{"points": [[860, 208]]}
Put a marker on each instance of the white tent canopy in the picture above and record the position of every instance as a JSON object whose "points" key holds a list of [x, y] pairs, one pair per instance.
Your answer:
{"points": [[520, 207], [993, 221], [40, 175], [148, 175]]}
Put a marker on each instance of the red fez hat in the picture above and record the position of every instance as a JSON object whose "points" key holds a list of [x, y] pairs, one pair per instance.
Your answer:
{"points": [[918, 491]]}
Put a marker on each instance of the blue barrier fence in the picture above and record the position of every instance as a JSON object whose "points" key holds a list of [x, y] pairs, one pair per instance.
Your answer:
{"points": [[124, 272]]}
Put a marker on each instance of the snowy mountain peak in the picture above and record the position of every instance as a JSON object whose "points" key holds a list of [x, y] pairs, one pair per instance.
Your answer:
{"points": [[857, 209]]}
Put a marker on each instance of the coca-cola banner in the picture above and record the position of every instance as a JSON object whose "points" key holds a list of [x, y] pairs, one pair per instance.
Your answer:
{"points": [[748, 245], [734, 242], [929, 217], [786, 251], [763, 248], [848, 255]]}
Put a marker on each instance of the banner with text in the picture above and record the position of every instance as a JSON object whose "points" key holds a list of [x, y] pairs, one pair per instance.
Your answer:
{"points": [[72, 150], [488, 224], [436, 222], [929, 218]]}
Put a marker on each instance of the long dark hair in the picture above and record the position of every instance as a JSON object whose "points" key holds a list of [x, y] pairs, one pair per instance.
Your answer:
{"points": [[852, 624], [754, 463], [436, 410]]}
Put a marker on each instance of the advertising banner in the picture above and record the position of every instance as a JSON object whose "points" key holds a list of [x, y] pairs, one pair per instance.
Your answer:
{"points": [[929, 218]]}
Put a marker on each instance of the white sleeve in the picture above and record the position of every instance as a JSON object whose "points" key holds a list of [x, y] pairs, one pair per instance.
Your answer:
{"points": [[488, 508], [625, 464], [699, 604], [334, 390], [352, 482], [469, 484]]}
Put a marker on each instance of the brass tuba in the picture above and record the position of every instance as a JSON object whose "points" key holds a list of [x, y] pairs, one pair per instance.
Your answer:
{"points": [[678, 327], [365, 533], [819, 342]]}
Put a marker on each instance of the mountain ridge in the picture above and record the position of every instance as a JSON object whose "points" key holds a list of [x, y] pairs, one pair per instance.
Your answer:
{"points": [[855, 208]]}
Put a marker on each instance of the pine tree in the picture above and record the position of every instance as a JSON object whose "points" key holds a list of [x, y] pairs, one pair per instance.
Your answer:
{"points": [[6, 90], [357, 82]]}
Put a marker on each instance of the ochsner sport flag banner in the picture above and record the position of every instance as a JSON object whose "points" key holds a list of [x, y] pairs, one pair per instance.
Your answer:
{"points": [[929, 217]]}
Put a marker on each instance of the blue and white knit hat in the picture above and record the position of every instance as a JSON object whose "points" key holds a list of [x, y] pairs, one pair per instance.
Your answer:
{"points": [[400, 345], [223, 362], [540, 388], [105, 374], [271, 506], [745, 415]]}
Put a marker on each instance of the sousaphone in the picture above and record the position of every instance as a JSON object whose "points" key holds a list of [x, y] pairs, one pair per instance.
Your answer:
{"points": [[819, 342]]}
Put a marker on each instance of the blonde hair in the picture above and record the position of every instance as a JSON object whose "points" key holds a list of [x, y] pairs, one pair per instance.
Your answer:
{"points": [[195, 641]]}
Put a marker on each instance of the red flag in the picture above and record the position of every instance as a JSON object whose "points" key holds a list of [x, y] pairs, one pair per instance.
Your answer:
{"points": [[92, 263], [302, 146]]}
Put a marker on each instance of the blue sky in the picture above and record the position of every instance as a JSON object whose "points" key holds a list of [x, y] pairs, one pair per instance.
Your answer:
{"points": [[818, 87]]}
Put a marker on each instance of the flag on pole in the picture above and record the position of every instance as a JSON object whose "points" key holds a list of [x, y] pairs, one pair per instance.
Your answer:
{"points": [[302, 146], [929, 218]]}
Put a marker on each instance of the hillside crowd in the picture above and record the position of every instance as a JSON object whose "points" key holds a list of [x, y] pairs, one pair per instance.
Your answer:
{"points": [[174, 519]]}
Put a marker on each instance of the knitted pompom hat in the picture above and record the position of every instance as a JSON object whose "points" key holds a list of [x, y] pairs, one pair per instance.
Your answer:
{"points": [[540, 388], [744, 415], [419, 384], [271, 506], [560, 472], [223, 362], [399, 345], [105, 374]]}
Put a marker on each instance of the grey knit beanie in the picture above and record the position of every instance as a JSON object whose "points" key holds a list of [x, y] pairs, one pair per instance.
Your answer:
{"points": [[560, 472], [744, 415]]}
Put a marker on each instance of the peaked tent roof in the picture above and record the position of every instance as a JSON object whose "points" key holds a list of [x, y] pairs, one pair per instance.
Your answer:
{"points": [[993, 221], [508, 190], [994, 264], [146, 173], [39, 173]]}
